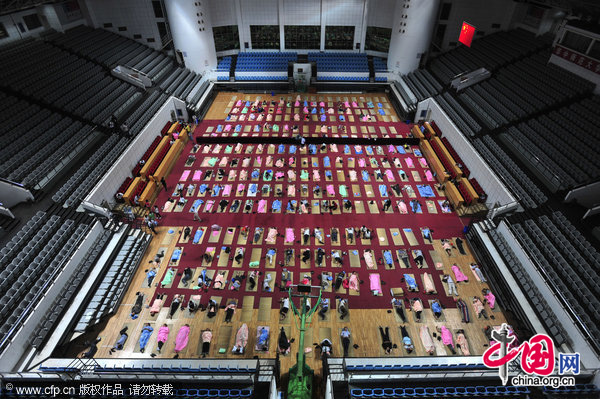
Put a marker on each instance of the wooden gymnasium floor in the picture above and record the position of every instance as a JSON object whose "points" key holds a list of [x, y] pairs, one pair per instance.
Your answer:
{"points": [[363, 323]]}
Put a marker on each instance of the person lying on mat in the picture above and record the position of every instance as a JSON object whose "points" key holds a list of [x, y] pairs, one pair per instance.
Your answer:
{"points": [[320, 256], [121, 341], [447, 246], [187, 232], [386, 342], [333, 206], [306, 235], [220, 281], [343, 308], [436, 308], [350, 234], [175, 304], [417, 307], [324, 307], [427, 234], [326, 348], [206, 338], [477, 271], [479, 308], [262, 341], [257, 233], [386, 205], [203, 280], [267, 282], [319, 235], [406, 341], [137, 307], [289, 254], [398, 305], [271, 255], [347, 205], [305, 255], [229, 311], [446, 337], [339, 279], [283, 343], [236, 282], [461, 342], [252, 279], [187, 276], [337, 257], [239, 255], [418, 257], [489, 298], [212, 308], [285, 307], [286, 279], [411, 283], [145, 336], [241, 339]]}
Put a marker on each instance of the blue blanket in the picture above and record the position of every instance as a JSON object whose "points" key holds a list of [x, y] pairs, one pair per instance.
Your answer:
{"points": [[312, 148], [255, 174], [276, 205], [281, 149], [196, 205], [292, 149], [400, 149], [410, 281], [326, 162], [388, 257], [202, 188], [425, 190], [176, 255], [198, 236], [369, 150], [383, 190], [253, 188], [216, 190], [346, 149], [365, 175], [290, 204]]}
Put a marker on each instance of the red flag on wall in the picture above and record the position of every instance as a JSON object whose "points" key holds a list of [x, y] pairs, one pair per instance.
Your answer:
{"points": [[466, 34]]}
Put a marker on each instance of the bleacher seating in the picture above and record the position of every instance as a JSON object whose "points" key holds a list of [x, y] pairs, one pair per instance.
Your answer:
{"points": [[573, 276], [339, 66], [379, 64], [517, 181], [422, 84], [90, 172], [32, 264], [491, 52], [439, 392], [529, 288], [46, 325], [115, 280], [224, 68], [578, 390], [263, 65], [142, 115], [458, 114], [560, 145], [37, 144]]}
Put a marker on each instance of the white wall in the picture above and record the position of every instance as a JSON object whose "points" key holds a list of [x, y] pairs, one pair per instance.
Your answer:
{"points": [[107, 187], [193, 39], [411, 34], [480, 14], [381, 13], [136, 15]]}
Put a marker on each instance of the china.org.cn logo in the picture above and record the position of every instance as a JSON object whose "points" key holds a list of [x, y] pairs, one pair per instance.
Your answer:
{"points": [[537, 360]]}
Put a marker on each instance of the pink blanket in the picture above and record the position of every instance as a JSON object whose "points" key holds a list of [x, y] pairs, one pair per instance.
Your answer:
{"points": [[182, 338], [262, 206], [423, 162], [428, 282], [375, 282], [240, 187], [330, 189], [362, 163], [369, 259], [402, 207], [185, 175], [354, 104], [446, 336], [156, 305], [232, 174], [428, 175], [391, 149], [163, 334], [271, 236], [289, 235], [227, 128], [279, 175], [316, 175], [227, 190], [209, 205], [346, 104], [291, 191], [291, 175], [460, 276], [410, 163], [491, 299], [426, 339], [390, 175], [197, 175], [238, 103], [354, 283]]}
